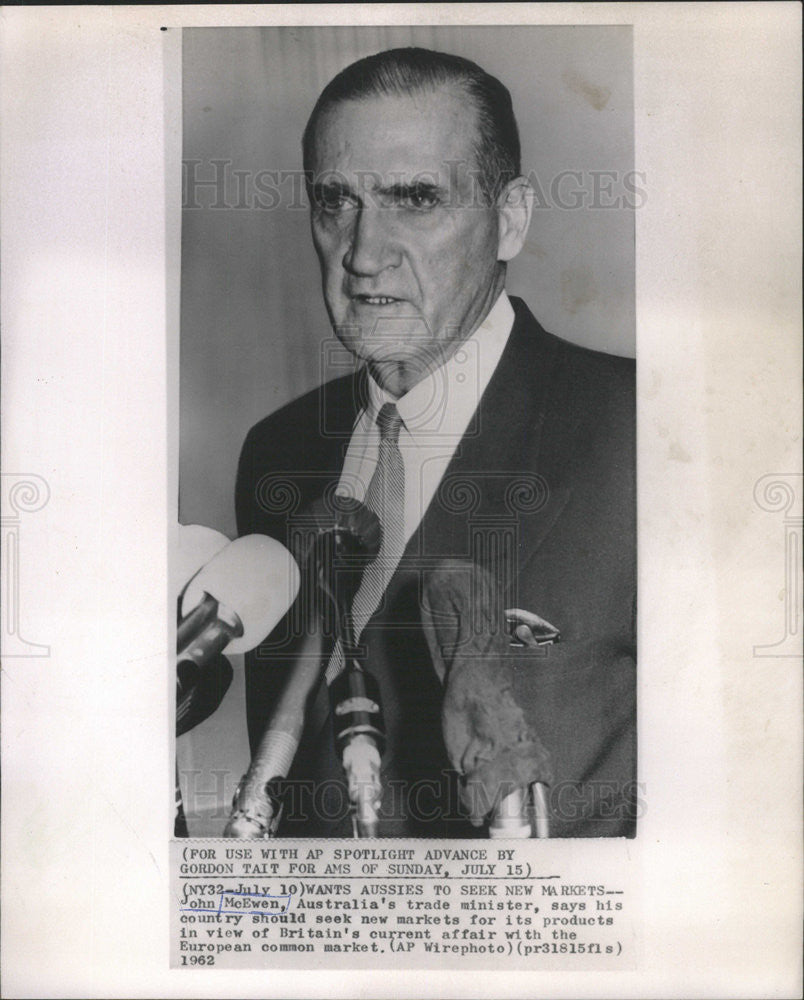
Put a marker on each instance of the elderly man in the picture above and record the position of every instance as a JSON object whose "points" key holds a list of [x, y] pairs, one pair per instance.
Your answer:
{"points": [[500, 448]]}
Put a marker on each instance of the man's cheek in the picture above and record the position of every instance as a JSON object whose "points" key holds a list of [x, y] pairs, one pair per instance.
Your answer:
{"points": [[327, 242], [446, 271]]}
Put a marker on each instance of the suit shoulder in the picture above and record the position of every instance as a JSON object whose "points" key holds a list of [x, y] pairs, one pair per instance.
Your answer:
{"points": [[570, 353], [306, 416], [600, 376], [301, 439], [586, 359], [592, 378], [615, 365], [294, 410]]}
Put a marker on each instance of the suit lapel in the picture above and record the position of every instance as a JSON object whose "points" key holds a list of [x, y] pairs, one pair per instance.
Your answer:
{"points": [[500, 470], [340, 402]]}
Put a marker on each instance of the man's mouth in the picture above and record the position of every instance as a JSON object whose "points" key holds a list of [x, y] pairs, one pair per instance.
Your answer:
{"points": [[375, 300]]}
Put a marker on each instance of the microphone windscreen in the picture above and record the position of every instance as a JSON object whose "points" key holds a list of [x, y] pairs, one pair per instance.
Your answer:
{"points": [[462, 612], [256, 578], [197, 544], [486, 734]]}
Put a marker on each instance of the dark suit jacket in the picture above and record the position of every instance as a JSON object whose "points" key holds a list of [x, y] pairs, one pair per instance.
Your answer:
{"points": [[541, 492]]}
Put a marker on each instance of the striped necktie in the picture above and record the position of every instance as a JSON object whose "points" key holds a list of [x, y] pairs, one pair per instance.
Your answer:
{"points": [[385, 497]]}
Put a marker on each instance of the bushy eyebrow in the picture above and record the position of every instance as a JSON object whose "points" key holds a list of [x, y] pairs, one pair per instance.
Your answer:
{"points": [[403, 190], [330, 188], [398, 191]]}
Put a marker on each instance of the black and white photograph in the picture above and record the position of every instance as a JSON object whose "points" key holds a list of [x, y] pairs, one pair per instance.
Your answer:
{"points": [[407, 338]]}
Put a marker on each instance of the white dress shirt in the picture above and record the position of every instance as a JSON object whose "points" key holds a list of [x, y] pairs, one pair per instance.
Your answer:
{"points": [[436, 413]]}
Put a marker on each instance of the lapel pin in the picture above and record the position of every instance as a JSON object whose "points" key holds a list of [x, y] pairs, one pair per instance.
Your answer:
{"points": [[527, 629]]}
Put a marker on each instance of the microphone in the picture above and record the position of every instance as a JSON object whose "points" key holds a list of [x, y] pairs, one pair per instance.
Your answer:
{"points": [[349, 545], [236, 599], [340, 538], [334, 541], [232, 602], [196, 697], [196, 545], [486, 735]]}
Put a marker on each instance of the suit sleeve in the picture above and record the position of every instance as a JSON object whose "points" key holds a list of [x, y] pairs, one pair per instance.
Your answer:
{"points": [[244, 488], [258, 460]]}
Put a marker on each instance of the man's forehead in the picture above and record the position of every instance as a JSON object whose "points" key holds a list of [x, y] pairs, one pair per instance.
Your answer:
{"points": [[393, 136]]}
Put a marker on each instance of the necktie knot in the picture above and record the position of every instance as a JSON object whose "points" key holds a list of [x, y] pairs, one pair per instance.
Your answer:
{"points": [[389, 422]]}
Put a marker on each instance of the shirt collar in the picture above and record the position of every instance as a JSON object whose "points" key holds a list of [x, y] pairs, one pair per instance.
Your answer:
{"points": [[445, 399]]}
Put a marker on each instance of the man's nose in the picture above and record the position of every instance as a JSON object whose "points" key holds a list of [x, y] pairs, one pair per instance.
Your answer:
{"points": [[371, 242]]}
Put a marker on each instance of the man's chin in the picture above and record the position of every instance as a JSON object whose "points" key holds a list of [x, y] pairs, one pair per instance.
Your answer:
{"points": [[398, 357], [422, 360], [384, 351], [396, 331], [398, 375]]}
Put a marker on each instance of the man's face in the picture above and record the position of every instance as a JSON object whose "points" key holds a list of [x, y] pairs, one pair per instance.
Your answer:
{"points": [[408, 250]]}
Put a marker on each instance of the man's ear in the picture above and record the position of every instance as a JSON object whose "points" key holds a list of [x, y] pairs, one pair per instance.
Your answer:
{"points": [[514, 207]]}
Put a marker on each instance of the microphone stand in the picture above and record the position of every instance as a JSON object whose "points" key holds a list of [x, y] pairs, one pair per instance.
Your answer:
{"points": [[206, 631], [355, 699], [511, 818], [343, 539]]}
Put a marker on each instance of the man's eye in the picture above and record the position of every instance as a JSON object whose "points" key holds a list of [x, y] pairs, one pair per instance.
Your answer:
{"points": [[333, 201], [419, 199], [424, 199]]}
